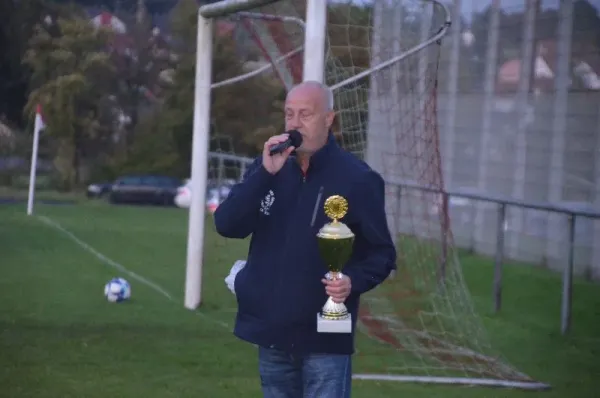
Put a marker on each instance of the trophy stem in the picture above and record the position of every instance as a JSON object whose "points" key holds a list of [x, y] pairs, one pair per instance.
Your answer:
{"points": [[333, 275], [334, 311]]}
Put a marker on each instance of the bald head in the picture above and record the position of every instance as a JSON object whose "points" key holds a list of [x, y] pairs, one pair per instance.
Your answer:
{"points": [[309, 109], [321, 92]]}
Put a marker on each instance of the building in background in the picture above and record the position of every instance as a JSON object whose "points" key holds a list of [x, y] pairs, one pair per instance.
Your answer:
{"points": [[521, 119], [518, 116]]}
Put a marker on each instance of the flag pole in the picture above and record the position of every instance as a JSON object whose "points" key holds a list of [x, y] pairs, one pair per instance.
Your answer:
{"points": [[38, 125]]}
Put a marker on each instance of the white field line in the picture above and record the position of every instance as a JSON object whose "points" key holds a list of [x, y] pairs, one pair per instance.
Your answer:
{"points": [[108, 261]]}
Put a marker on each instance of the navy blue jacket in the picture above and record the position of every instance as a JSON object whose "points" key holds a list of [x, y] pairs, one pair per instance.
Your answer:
{"points": [[280, 292]]}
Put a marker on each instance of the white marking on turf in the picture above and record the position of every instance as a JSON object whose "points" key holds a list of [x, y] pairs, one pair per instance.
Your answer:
{"points": [[120, 267]]}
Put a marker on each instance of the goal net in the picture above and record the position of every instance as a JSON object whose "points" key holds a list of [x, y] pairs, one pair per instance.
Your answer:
{"points": [[382, 61]]}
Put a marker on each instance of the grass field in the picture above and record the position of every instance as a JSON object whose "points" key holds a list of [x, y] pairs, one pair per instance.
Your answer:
{"points": [[60, 338]]}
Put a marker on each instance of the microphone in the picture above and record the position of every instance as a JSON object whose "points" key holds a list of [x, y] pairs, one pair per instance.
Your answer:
{"points": [[294, 139]]}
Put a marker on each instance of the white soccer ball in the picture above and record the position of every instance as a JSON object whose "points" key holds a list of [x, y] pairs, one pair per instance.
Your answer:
{"points": [[183, 198], [117, 290]]}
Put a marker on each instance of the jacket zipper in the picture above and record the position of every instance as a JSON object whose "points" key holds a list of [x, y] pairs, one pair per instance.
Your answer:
{"points": [[285, 255], [317, 203]]}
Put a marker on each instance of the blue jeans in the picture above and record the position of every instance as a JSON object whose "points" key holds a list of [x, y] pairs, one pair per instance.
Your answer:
{"points": [[310, 376]]}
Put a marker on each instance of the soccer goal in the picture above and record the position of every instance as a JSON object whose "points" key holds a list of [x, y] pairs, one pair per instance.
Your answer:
{"points": [[381, 58]]}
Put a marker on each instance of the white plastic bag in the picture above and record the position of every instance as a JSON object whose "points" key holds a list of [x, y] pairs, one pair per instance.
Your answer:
{"points": [[230, 280]]}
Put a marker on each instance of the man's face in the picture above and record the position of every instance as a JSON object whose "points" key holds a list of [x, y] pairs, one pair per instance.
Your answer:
{"points": [[306, 111]]}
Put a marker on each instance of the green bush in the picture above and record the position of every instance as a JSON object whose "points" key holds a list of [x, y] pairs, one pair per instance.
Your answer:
{"points": [[42, 182]]}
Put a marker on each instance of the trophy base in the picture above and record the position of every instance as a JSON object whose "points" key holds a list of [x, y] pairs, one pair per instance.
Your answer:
{"points": [[325, 325]]}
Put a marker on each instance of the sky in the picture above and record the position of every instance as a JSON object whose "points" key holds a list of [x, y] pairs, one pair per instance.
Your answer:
{"points": [[470, 6], [478, 5]]}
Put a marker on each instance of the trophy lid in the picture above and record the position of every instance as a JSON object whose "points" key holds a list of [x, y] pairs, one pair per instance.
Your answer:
{"points": [[336, 207], [335, 230]]}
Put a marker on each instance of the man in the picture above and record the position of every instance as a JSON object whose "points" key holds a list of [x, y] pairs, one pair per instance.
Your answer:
{"points": [[282, 287]]}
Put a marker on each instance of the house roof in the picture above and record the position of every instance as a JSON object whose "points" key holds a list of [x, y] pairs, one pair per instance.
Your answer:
{"points": [[585, 67], [106, 19]]}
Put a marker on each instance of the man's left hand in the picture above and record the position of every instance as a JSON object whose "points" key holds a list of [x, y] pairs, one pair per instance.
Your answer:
{"points": [[338, 289]]}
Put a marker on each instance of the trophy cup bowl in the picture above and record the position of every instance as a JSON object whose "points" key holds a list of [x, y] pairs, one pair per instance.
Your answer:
{"points": [[335, 242]]}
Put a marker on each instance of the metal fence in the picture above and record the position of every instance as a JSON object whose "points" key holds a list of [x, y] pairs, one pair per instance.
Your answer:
{"points": [[461, 207], [519, 117], [519, 126], [521, 120], [499, 207]]}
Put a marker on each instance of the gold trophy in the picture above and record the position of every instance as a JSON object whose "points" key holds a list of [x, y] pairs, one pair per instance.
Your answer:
{"points": [[335, 246]]}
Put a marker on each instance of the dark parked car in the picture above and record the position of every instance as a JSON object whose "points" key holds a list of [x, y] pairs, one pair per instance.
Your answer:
{"points": [[145, 189]]}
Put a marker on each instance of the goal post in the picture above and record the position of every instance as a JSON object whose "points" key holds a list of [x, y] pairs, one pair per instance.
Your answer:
{"points": [[314, 61], [315, 37], [421, 325], [200, 139]]}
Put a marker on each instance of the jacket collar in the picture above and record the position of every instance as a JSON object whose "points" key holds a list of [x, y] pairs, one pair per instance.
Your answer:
{"points": [[320, 157]]}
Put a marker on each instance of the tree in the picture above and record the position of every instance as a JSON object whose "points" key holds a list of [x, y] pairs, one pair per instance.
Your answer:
{"points": [[246, 112], [72, 78], [17, 20], [140, 56]]}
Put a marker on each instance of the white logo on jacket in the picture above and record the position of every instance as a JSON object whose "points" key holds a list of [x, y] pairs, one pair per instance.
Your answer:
{"points": [[267, 202]]}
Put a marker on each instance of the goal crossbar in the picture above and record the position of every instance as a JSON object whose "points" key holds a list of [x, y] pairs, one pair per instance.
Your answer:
{"points": [[405, 54], [242, 15], [226, 7]]}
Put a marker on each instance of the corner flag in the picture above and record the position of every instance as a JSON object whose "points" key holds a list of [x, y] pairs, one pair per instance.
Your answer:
{"points": [[39, 125]]}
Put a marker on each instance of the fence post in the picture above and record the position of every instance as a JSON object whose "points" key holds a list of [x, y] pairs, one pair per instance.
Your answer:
{"points": [[499, 258], [445, 231], [558, 140], [524, 106], [491, 61], [449, 129], [567, 288], [398, 218]]}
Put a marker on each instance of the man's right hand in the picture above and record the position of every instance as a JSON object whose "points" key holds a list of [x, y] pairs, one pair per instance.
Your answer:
{"points": [[274, 163]]}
